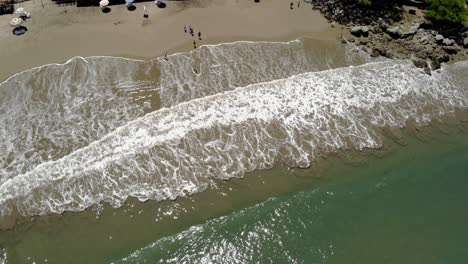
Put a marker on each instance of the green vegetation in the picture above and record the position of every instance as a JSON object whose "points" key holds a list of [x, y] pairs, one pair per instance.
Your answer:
{"points": [[368, 2], [447, 11]]}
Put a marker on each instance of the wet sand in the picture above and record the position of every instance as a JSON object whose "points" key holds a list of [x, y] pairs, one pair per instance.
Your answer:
{"points": [[56, 34]]}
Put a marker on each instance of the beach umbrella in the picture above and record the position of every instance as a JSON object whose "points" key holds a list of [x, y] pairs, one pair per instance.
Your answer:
{"points": [[104, 3], [16, 21], [129, 2]]}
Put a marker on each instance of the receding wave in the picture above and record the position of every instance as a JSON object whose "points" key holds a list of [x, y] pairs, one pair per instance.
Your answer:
{"points": [[50, 111], [178, 151], [218, 68]]}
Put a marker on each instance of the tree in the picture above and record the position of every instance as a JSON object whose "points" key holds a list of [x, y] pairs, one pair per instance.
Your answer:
{"points": [[447, 11]]}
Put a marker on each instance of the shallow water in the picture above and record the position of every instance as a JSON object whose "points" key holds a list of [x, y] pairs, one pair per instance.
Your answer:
{"points": [[176, 151], [404, 203], [409, 207], [89, 135]]}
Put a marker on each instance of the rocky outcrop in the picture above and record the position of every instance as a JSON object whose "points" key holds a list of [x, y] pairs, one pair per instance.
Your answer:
{"points": [[359, 31], [395, 32], [351, 12], [439, 38], [451, 49], [381, 32], [448, 42]]}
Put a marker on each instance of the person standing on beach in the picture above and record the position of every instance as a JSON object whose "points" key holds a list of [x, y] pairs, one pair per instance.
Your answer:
{"points": [[185, 28], [298, 4], [165, 56], [145, 12], [194, 44], [291, 5], [191, 30], [199, 35]]}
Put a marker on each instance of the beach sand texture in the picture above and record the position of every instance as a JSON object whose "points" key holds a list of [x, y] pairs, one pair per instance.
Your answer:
{"points": [[57, 33]]}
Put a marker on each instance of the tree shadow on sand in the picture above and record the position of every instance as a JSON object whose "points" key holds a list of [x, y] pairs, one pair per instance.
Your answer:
{"points": [[131, 8], [106, 10]]}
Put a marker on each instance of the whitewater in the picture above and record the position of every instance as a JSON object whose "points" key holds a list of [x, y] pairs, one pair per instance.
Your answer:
{"points": [[207, 126]]}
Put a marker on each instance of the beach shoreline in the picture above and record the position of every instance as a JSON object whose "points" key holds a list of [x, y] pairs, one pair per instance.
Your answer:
{"points": [[56, 34]]}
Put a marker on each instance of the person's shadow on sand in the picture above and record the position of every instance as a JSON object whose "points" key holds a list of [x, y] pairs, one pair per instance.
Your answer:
{"points": [[106, 10], [131, 8]]}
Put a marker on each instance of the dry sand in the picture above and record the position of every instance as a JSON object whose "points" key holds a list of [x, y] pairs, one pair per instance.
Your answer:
{"points": [[56, 34]]}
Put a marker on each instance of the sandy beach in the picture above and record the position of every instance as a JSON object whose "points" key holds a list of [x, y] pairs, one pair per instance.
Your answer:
{"points": [[58, 33]]}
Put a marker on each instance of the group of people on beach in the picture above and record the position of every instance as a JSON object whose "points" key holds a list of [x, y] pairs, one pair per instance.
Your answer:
{"points": [[190, 30], [291, 5]]}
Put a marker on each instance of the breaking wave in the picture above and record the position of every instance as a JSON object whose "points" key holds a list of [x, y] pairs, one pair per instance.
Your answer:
{"points": [[177, 151], [53, 110]]}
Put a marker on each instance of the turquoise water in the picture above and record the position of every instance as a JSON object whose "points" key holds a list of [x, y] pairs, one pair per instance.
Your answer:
{"points": [[407, 207]]}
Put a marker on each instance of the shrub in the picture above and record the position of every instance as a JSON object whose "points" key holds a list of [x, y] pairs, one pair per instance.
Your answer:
{"points": [[368, 2], [447, 11]]}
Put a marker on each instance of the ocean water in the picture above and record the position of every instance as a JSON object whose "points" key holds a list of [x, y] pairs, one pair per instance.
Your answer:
{"points": [[96, 132], [409, 207]]}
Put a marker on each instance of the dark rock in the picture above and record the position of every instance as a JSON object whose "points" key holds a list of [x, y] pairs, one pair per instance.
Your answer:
{"points": [[448, 42], [451, 49], [375, 53], [435, 64], [412, 11], [427, 70], [356, 31], [360, 31], [439, 38], [378, 51], [395, 32], [443, 58], [420, 63], [389, 54]]}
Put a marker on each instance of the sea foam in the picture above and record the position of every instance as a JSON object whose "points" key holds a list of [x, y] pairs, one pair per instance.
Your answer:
{"points": [[50, 111], [177, 151]]}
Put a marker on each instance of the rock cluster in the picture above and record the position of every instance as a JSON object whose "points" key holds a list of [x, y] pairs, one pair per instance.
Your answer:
{"points": [[380, 31]]}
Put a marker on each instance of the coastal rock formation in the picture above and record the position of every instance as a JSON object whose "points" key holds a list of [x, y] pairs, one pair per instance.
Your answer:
{"points": [[359, 31], [395, 32], [439, 38], [448, 42], [383, 31]]}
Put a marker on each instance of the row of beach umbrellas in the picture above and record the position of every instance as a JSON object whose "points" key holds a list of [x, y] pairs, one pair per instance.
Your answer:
{"points": [[105, 3], [18, 20]]}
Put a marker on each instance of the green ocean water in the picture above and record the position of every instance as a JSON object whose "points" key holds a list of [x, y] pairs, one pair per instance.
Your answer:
{"points": [[403, 204], [409, 206]]}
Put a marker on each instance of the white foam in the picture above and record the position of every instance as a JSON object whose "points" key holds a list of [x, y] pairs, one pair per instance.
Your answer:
{"points": [[49, 111], [176, 151], [213, 69]]}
